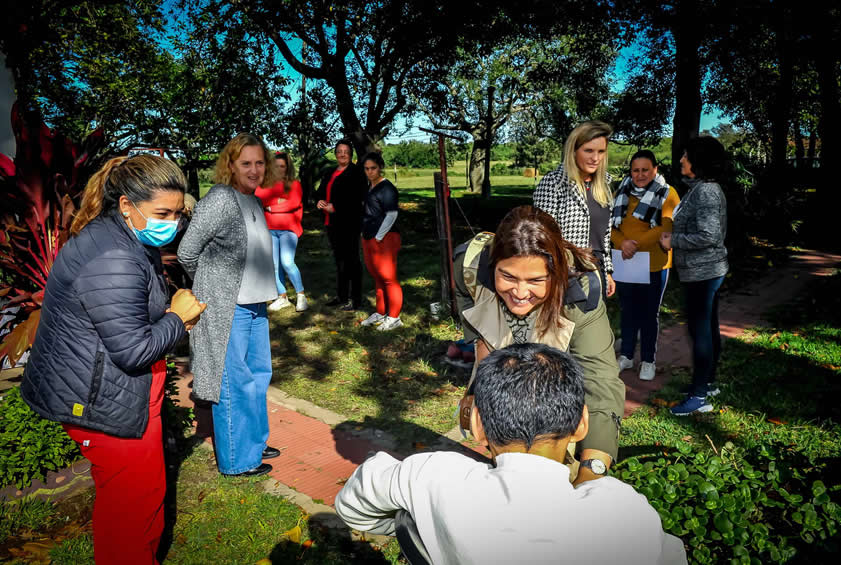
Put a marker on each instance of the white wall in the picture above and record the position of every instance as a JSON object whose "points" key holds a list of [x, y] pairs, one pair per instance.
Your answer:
{"points": [[7, 97]]}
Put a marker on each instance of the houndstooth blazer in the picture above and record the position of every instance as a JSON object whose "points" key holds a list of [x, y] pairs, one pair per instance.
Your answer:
{"points": [[557, 195]]}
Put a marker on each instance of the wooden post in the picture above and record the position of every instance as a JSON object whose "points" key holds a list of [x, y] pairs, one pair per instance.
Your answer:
{"points": [[442, 223]]}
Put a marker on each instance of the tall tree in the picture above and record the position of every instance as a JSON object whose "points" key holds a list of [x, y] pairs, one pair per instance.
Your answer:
{"points": [[370, 53], [564, 75], [144, 76], [683, 30]]}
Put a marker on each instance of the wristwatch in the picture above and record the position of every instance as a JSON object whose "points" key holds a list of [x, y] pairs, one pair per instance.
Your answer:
{"points": [[597, 466]]}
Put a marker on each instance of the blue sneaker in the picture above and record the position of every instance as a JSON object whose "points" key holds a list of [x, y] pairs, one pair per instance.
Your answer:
{"points": [[713, 390], [691, 405]]}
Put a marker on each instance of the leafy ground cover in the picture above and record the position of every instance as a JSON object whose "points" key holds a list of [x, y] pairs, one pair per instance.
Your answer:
{"points": [[756, 480]]}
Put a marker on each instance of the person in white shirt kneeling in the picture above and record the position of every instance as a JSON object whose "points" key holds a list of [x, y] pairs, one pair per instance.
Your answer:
{"points": [[529, 404]]}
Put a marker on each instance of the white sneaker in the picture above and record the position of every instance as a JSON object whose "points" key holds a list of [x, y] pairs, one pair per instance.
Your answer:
{"points": [[389, 323], [625, 363], [301, 303], [647, 371], [373, 320], [280, 303]]}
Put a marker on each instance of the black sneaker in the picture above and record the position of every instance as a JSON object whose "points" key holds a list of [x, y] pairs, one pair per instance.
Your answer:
{"points": [[336, 302], [349, 307]]}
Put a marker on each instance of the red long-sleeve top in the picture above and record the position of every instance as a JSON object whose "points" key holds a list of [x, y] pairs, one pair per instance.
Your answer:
{"points": [[283, 208]]}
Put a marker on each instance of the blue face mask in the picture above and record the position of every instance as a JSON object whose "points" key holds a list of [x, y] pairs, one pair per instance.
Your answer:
{"points": [[157, 233]]}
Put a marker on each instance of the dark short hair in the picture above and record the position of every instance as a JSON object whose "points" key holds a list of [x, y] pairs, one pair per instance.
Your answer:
{"points": [[528, 391], [707, 157], [645, 154], [376, 157], [344, 141]]}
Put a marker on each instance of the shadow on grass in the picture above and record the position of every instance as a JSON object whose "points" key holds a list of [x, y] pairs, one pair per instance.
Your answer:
{"points": [[330, 546]]}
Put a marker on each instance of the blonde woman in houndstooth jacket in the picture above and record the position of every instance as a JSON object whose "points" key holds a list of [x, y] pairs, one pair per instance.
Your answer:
{"points": [[577, 194]]}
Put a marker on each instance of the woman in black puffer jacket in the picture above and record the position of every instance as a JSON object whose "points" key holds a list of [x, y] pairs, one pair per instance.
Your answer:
{"points": [[97, 362]]}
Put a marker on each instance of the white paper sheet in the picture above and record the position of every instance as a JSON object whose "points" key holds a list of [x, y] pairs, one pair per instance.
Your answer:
{"points": [[633, 270]]}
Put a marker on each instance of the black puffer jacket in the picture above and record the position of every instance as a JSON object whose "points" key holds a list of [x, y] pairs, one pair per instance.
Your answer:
{"points": [[103, 324]]}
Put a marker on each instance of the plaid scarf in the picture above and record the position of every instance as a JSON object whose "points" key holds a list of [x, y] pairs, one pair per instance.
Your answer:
{"points": [[651, 201]]}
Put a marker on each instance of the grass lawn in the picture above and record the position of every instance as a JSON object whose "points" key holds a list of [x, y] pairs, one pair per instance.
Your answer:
{"points": [[224, 521]]}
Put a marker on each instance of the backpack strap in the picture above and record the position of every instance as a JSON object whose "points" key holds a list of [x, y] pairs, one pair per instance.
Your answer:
{"points": [[475, 260]]}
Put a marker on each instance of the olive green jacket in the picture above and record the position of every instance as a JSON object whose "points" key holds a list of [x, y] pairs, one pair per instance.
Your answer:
{"points": [[585, 334]]}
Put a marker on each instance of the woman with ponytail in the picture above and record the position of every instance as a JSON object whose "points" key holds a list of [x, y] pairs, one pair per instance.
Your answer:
{"points": [[526, 284], [97, 363]]}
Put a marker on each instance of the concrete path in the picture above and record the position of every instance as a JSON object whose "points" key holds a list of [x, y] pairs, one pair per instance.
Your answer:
{"points": [[320, 452]]}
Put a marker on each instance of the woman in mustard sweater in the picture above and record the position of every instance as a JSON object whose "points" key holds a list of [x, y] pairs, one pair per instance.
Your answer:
{"points": [[642, 210]]}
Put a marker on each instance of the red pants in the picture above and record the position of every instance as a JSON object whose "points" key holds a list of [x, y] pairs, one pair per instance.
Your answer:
{"points": [[381, 261], [130, 479]]}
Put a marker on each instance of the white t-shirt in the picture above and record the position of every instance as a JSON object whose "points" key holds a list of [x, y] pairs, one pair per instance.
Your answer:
{"points": [[524, 510], [258, 281]]}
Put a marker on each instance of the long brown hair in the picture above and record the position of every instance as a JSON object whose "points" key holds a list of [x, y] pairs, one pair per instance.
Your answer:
{"points": [[529, 231], [222, 172], [289, 178], [137, 178]]}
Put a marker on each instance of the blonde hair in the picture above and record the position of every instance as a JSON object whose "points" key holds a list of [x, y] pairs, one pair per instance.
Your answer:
{"points": [[222, 172], [137, 178], [584, 133], [289, 177]]}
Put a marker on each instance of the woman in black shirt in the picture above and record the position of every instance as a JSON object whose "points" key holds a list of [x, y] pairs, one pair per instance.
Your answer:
{"points": [[381, 243]]}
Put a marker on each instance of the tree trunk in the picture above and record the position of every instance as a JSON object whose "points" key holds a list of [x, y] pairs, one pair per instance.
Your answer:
{"points": [[780, 110], [686, 31], [477, 166], [364, 143], [191, 166], [813, 141], [826, 64], [799, 148], [489, 134]]}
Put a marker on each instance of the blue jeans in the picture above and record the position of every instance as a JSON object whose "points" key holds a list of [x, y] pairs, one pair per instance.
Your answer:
{"points": [[702, 311], [640, 305], [240, 418], [284, 243]]}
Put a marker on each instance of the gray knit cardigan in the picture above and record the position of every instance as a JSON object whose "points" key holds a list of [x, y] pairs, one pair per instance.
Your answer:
{"points": [[699, 227], [213, 252]]}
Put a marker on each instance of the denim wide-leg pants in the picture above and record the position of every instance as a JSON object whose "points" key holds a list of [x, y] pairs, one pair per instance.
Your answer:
{"points": [[240, 418], [702, 314]]}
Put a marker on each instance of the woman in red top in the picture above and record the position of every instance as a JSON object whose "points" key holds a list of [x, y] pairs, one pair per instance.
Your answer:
{"points": [[282, 204]]}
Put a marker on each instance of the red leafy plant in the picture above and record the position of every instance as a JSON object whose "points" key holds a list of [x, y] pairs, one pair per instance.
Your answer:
{"points": [[39, 192]]}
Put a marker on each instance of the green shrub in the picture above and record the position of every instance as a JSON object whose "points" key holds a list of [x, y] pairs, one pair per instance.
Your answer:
{"points": [[27, 514], [30, 445], [177, 420], [762, 506], [504, 169]]}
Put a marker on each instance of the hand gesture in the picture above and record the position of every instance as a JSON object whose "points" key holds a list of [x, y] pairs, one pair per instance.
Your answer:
{"points": [[187, 307], [666, 240], [629, 248]]}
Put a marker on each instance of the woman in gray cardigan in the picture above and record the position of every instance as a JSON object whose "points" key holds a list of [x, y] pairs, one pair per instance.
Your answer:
{"points": [[698, 231], [227, 250]]}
